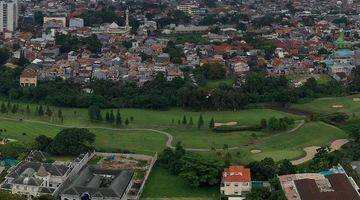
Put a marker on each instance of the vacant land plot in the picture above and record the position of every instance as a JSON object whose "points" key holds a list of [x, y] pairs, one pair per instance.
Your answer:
{"points": [[163, 185]]}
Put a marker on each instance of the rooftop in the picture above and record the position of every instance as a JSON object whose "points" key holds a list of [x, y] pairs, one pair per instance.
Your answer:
{"points": [[236, 174]]}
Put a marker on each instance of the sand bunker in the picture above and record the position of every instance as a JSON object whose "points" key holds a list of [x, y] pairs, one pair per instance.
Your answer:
{"points": [[226, 124], [338, 106], [255, 151], [356, 99], [311, 151]]}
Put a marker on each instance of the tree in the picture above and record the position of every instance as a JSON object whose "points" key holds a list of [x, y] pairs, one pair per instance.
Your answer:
{"points": [[28, 111], [72, 141], [107, 117], [60, 115], [286, 168], [184, 121], [3, 108], [200, 172], [200, 122], [191, 122], [42, 142], [40, 111], [48, 111], [9, 196], [212, 123], [39, 18], [263, 123], [127, 121], [14, 109], [263, 170], [111, 117], [94, 113], [4, 56], [118, 120], [22, 61]]}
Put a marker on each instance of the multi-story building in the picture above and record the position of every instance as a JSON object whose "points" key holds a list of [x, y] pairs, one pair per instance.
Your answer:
{"points": [[191, 9], [236, 182], [28, 77], [8, 15]]}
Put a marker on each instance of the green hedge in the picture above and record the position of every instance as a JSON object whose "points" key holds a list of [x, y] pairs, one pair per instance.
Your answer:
{"points": [[226, 129]]}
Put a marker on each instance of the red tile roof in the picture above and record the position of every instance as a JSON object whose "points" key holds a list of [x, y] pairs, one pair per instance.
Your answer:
{"points": [[236, 174]]}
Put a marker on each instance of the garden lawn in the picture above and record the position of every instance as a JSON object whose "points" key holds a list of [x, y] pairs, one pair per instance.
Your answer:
{"points": [[162, 184], [327, 105]]}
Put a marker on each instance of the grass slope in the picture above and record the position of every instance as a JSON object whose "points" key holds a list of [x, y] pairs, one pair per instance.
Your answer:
{"points": [[329, 105]]}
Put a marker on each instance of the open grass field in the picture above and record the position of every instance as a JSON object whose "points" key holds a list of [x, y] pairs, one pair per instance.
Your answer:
{"points": [[321, 79], [162, 185], [327, 105]]}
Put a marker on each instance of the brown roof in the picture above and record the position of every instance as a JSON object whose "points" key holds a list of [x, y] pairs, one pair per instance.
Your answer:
{"points": [[28, 73], [340, 185]]}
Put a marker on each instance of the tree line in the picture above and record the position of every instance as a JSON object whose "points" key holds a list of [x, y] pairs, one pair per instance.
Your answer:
{"points": [[160, 94]]}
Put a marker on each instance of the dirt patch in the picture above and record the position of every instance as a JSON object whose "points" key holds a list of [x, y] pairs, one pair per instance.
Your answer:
{"points": [[226, 124], [338, 106], [255, 151]]}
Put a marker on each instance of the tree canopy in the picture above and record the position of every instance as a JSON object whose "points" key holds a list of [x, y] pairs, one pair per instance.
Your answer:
{"points": [[72, 141]]}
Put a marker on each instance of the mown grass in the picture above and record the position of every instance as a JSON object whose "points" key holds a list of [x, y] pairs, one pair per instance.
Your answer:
{"points": [[163, 185], [327, 105]]}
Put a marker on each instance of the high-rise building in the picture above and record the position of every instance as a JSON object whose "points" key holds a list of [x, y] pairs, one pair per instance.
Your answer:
{"points": [[8, 15]]}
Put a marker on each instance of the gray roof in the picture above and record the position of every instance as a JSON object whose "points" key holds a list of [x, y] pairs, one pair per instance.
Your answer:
{"points": [[26, 166], [28, 181], [99, 182]]}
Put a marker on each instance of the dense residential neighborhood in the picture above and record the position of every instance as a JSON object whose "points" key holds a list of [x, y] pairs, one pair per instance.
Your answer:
{"points": [[179, 99]]}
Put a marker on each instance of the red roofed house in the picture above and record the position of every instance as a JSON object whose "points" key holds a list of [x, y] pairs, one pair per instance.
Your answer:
{"points": [[236, 181]]}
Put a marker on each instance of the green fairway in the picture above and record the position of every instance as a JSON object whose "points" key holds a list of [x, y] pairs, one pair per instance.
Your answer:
{"points": [[162, 184], [327, 105], [106, 140], [150, 118], [290, 145]]}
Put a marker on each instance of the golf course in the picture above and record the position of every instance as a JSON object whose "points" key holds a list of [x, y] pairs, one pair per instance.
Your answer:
{"points": [[151, 131]]}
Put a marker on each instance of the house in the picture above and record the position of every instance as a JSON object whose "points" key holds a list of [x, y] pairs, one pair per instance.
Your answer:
{"points": [[28, 77], [331, 184], [33, 177], [236, 182], [98, 183]]}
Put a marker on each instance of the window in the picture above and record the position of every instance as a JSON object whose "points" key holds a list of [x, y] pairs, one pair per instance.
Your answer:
{"points": [[227, 184], [236, 184]]}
